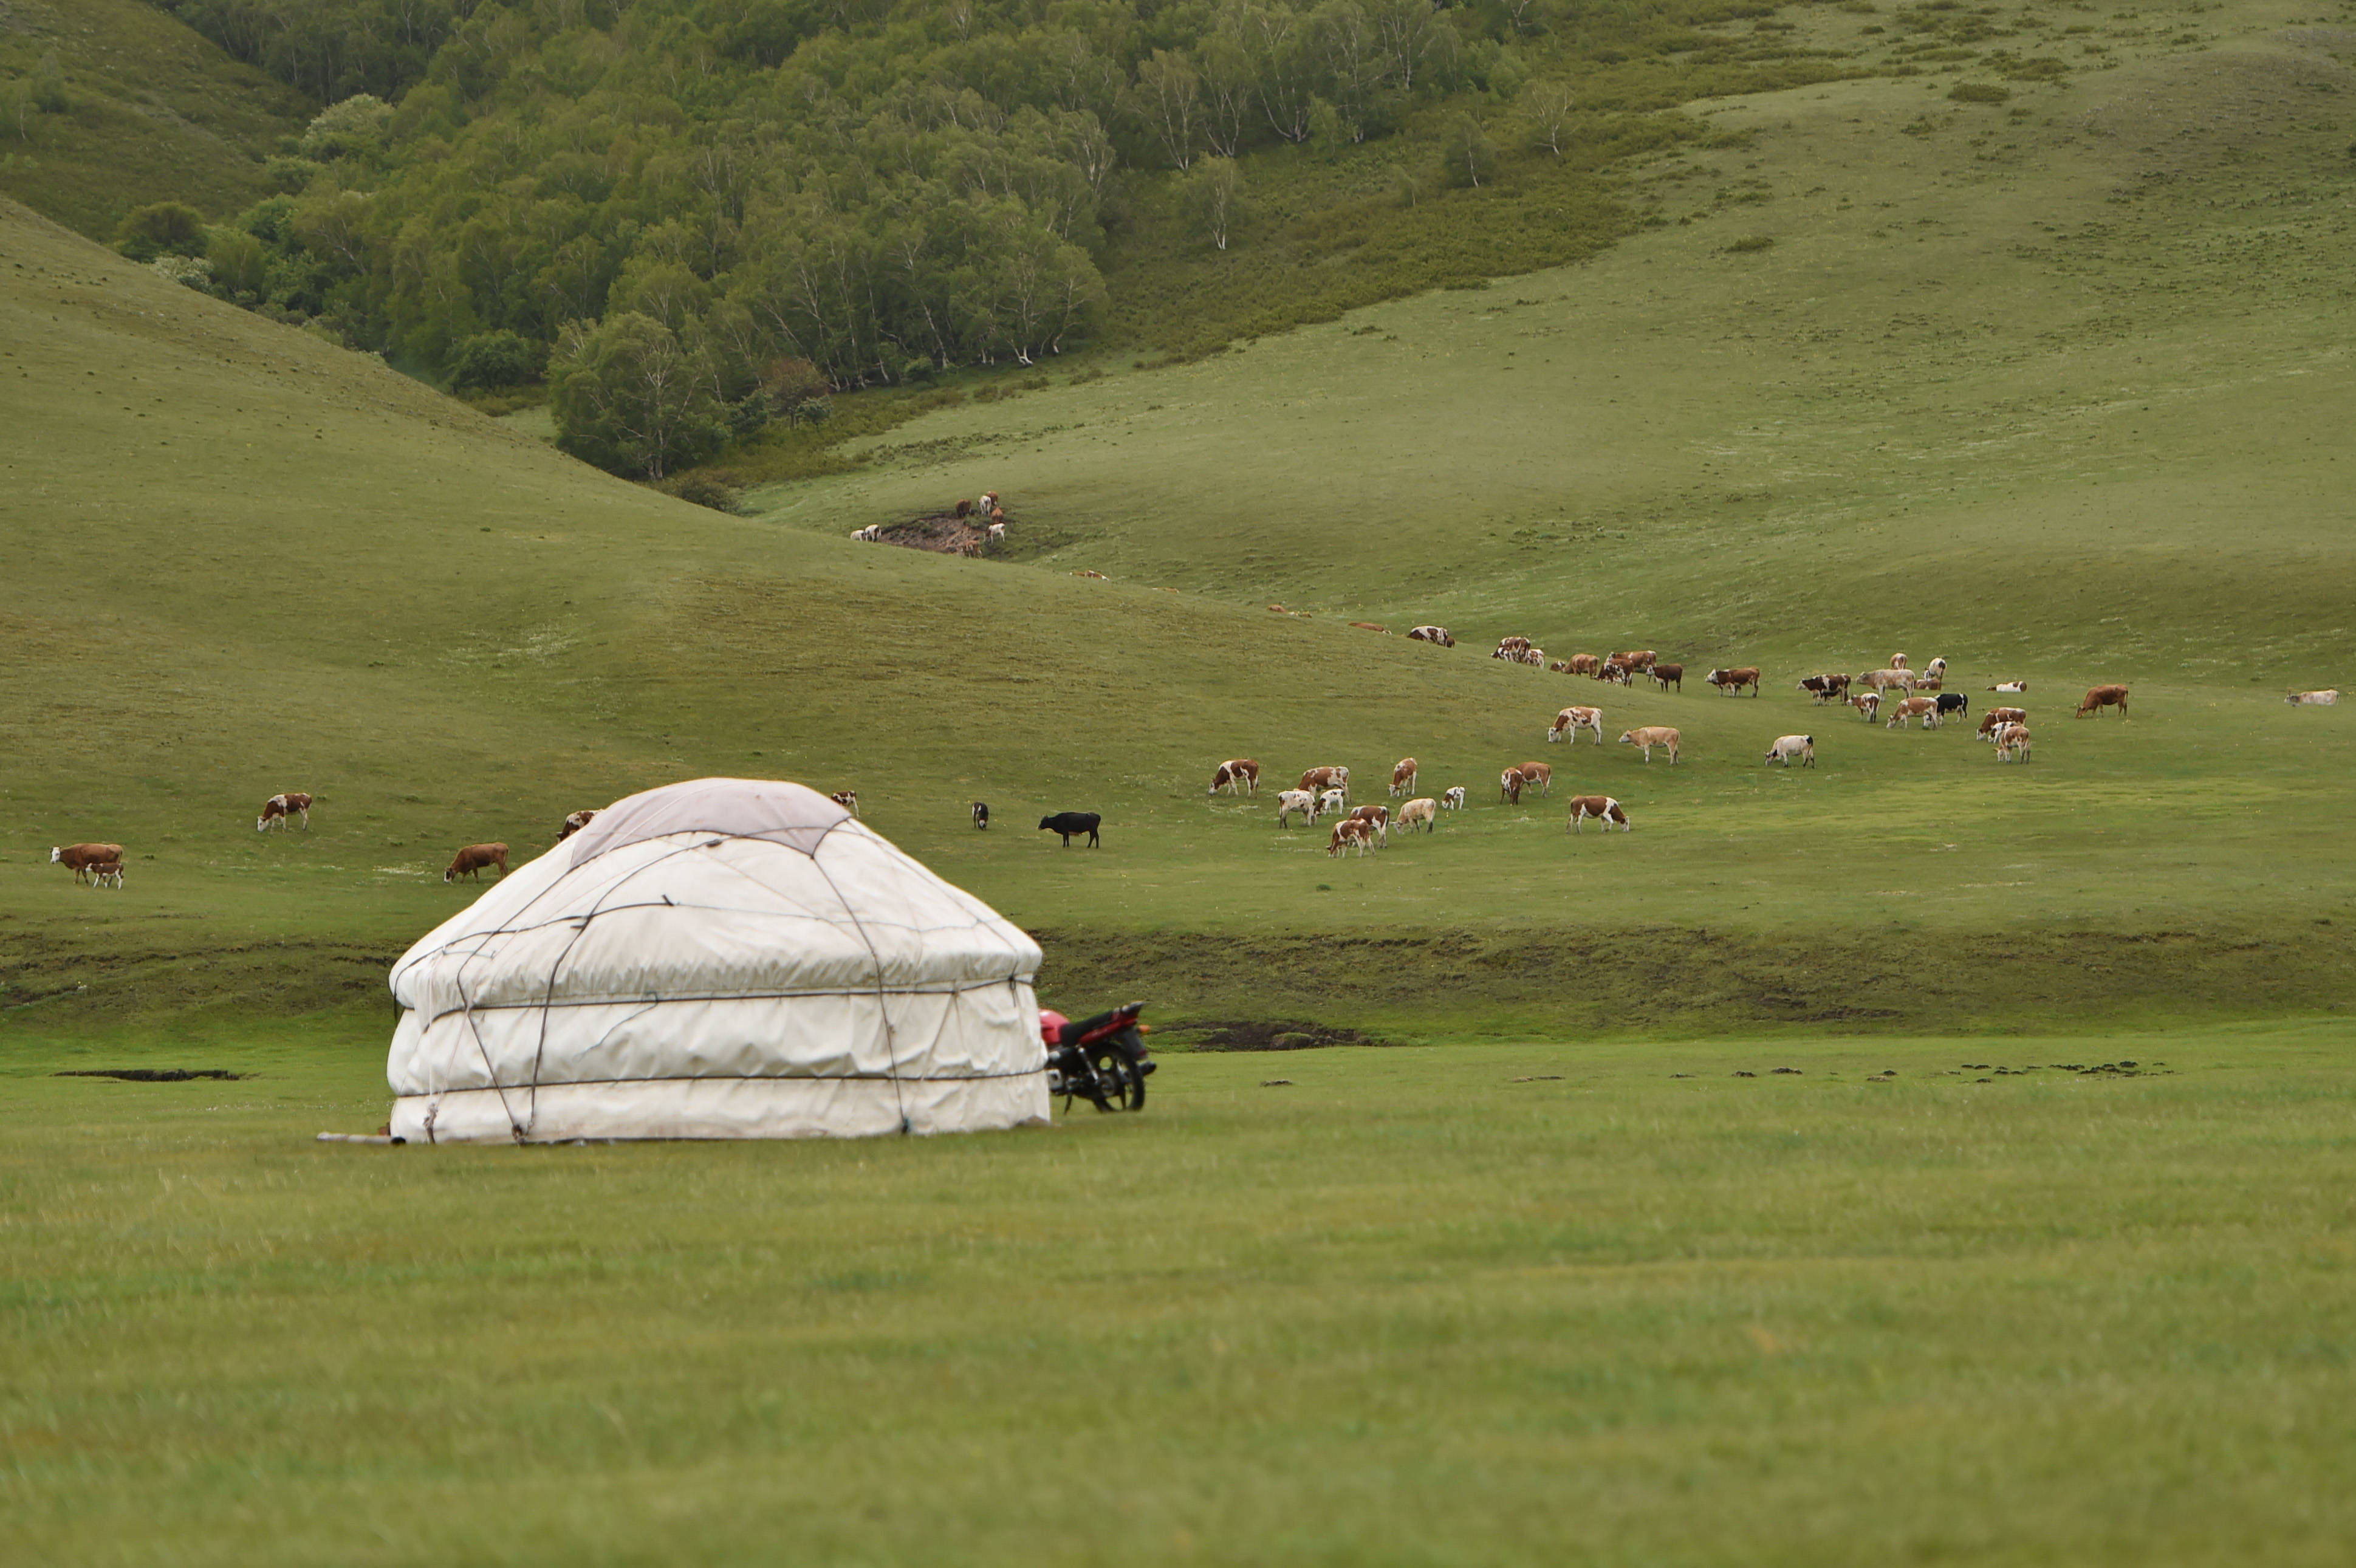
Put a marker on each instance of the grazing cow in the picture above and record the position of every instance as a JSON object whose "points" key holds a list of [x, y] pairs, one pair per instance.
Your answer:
{"points": [[1585, 663], [1788, 747], [1510, 648], [1403, 777], [1350, 831], [2101, 697], [1604, 808], [1332, 800], [1439, 634], [1533, 657], [1651, 735], [1910, 708], [1379, 817], [2012, 743], [1422, 809], [2313, 699], [1453, 798], [1326, 778], [870, 534], [1572, 720], [79, 858], [1539, 773], [471, 860], [2020, 688], [575, 822], [106, 873], [1667, 675], [846, 798], [982, 815], [1617, 674], [1302, 801], [1996, 719], [278, 808], [1883, 679], [1954, 702], [1071, 824], [1509, 787], [1868, 704], [1237, 776], [1729, 682]]}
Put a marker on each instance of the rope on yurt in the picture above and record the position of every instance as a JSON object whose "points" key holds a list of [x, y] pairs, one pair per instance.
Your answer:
{"points": [[883, 1005]]}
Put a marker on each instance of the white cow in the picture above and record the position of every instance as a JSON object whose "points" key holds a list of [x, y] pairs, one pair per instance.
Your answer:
{"points": [[1788, 747], [1302, 801], [2313, 699]]}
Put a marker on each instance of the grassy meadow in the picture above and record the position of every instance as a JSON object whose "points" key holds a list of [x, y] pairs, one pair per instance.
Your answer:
{"points": [[2055, 387]]}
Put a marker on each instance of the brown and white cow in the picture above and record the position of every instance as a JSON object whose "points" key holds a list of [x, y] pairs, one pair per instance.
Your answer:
{"points": [[1291, 801], [471, 860], [1380, 816], [1453, 798], [1868, 704], [278, 808], [1510, 648], [1539, 773], [1667, 675], [1651, 735], [1995, 719], [106, 873], [2018, 688], [1898, 661], [1638, 659], [846, 798], [1403, 777], [79, 858], [1570, 720], [2314, 698], [1332, 801], [1910, 708], [1423, 809], [1347, 832], [575, 822], [2100, 697], [1438, 634], [1237, 776], [1614, 672], [1604, 808], [1322, 778], [1729, 682], [1509, 787], [2012, 743], [1788, 747]]}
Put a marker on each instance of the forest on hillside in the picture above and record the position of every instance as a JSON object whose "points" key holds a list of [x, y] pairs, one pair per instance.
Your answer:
{"points": [[698, 217]]}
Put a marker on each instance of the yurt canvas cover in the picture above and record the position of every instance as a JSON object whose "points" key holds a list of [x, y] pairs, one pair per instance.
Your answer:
{"points": [[728, 958]]}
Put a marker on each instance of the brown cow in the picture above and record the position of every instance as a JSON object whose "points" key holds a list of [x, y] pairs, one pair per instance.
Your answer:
{"points": [[575, 822], [1585, 663], [278, 808], [1638, 659], [80, 857], [472, 859], [1651, 735], [1237, 776], [1602, 807], [1509, 785], [1403, 777], [2101, 697], [1995, 719], [1667, 675], [1730, 681], [1323, 778], [106, 873], [1539, 773]]}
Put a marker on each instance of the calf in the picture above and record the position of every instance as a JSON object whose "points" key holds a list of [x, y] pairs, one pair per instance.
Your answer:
{"points": [[1788, 747], [1731, 682], [870, 534], [471, 860], [575, 822], [106, 873], [79, 858], [997, 534], [1332, 800], [846, 798], [1302, 801], [1651, 735], [1604, 808], [1453, 798], [1571, 721], [1237, 776], [1438, 634], [1347, 832], [1559, 666], [1071, 824], [1403, 777], [982, 815], [2018, 688], [278, 808], [1868, 704], [1423, 809], [1924, 708], [1540, 773], [2100, 697], [2012, 743], [1325, 779], [1954, 702], [2313, 699], [1996, 718], [1509, 787], [1667, 675], [1927, 681]]}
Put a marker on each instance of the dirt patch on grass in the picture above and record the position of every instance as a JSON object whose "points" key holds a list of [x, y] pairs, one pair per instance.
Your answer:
{"points": [[1260, 1035], [154, 1074], [943, 533]]}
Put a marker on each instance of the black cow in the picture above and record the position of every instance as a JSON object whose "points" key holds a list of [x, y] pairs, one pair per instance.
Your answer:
{"points": [[1954, 702], [981, 813], [1070, 822]]}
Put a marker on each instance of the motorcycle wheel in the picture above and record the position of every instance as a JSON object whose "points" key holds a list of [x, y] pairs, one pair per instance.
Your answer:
{"points": [[1123, 1085]]}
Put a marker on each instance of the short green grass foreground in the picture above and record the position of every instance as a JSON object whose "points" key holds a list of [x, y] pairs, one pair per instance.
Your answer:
{"points": [[1906, 1302]]}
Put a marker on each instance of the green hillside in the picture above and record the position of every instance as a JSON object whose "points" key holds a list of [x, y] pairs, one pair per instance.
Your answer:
{"points": [[140, 110]]}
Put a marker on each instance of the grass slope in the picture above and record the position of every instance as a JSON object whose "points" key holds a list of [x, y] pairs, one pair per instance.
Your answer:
{"points": [[1475, 1304], [159, 113]]}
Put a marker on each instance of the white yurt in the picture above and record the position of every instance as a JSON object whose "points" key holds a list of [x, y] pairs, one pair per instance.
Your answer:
{"points": [[726, 958]]}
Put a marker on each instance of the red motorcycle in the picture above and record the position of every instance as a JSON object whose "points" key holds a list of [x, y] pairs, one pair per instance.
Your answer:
{"points": [[1102, 1059]]}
